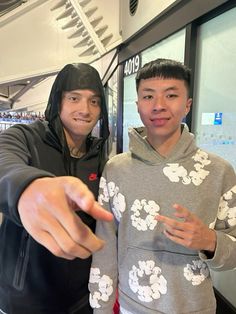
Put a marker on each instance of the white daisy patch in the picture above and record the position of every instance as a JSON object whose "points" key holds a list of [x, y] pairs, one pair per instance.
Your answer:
{"points": [[109, 191], [177, 173], [144, 213], [156, 283], [224, 211], [104, 286], [118, 205], [112, 190], [103, 196], [196, 272], [201, 157], [232, 238], [212, 224]]}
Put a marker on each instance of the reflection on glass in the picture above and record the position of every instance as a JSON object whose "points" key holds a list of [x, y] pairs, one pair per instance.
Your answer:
{"points": [[112, 113], [215, 105]]}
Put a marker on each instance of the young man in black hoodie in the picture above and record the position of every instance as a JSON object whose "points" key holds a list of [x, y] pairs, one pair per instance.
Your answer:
{"points": [[46, 171]]}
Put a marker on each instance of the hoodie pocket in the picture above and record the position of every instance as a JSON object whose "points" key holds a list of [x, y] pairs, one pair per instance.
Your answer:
{"points": [[141, 276], [156, 279], [22, 262]]}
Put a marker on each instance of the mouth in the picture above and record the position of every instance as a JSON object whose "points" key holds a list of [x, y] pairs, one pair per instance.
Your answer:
{"points": [[84, 121], [159, 121]]}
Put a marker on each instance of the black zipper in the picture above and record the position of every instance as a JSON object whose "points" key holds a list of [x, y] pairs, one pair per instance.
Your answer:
{"points": [[22, 262]]}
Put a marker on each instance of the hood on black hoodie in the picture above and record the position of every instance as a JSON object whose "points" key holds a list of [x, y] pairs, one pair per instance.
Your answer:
{"points": [[71, 77]]}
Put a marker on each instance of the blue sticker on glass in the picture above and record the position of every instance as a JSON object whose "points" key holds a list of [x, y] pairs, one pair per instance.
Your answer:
{"points": [[218, 118]]}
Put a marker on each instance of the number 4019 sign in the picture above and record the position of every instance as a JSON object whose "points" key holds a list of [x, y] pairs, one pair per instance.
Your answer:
{"points": [[132, 65]]}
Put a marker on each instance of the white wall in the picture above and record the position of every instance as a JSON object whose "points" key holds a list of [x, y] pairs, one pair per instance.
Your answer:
{"points": [[33, 41], [147, 10], [31, 44]]}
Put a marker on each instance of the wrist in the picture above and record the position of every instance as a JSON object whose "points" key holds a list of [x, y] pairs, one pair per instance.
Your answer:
{"points": [[212, 241]]}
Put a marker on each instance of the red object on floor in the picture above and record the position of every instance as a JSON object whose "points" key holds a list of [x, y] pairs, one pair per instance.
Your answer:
{"points": [[116, 308]]}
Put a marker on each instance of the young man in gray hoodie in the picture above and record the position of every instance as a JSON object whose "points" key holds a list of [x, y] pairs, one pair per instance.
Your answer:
{"points": [[174, 208]]}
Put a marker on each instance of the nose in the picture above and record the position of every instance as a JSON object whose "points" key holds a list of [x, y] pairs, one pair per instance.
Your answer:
{"points": [[158, 104], [84, 105]]}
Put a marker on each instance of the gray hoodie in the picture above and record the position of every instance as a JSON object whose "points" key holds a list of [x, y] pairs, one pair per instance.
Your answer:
{"points": [[152, 273]]}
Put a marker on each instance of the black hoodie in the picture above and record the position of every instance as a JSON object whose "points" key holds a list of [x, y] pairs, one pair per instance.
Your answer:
{"points": [[32, 280]]}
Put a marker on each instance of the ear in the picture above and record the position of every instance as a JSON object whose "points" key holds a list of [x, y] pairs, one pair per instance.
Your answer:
{"points": [[188, 105]]}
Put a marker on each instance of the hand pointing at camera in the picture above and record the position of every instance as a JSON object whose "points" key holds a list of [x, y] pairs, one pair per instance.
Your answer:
{"points": [[47, 209]]}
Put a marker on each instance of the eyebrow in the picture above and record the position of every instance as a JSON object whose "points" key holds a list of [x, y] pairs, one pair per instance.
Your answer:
{"points": [[171, 88], [77, 93], [148, 89]]}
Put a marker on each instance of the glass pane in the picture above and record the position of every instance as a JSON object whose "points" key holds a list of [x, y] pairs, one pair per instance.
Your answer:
{"points": [[112, 112], [215, 105], [215, 93]]}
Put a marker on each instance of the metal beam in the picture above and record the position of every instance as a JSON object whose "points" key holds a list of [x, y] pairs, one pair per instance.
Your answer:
{"points": [[100, 47]]}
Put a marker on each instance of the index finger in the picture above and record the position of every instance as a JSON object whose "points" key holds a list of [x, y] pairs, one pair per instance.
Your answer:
{"points": [[98, 212], [183, 212], [169, 222], [78, 192]]}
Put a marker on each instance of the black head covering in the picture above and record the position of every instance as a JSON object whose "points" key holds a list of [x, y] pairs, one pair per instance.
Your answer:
{"points": [[71, 77]]}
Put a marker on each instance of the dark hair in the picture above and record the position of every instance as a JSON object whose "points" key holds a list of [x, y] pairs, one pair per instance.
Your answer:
{"points": [[166, 69], [76, 76]]}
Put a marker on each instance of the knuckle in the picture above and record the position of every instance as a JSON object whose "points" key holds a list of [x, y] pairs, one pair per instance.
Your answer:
{"points": [[82, 235], [57, 252], [71, 248], [78, 251], [85, 255]]}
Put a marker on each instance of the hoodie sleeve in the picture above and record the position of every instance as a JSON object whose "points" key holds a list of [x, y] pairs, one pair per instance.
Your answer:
{"points": [[103, 274], [16, 170], [224, 257]]}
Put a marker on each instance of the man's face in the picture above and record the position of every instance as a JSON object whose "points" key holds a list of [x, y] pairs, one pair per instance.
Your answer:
{"points": [[80, 111], [162, 105]]}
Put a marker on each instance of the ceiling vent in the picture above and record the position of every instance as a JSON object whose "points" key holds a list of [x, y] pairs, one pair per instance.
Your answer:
{"points": [[133, 4]]}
